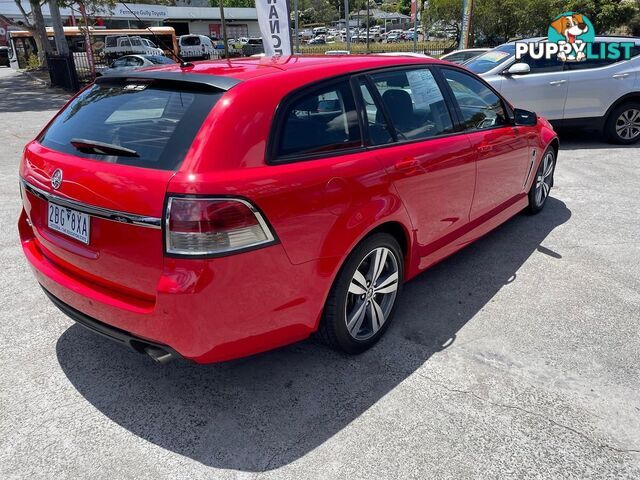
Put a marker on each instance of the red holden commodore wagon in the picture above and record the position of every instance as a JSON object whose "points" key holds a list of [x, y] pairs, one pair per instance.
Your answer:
{"points": [[226, 208]]}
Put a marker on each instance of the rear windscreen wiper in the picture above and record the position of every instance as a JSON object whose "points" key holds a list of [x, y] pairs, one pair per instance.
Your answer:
{"points": [[101, 148]]}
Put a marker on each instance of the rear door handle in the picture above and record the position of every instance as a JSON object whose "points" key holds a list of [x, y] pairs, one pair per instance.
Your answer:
{"points": [[557, 82], [484, 148], [620, 75]]}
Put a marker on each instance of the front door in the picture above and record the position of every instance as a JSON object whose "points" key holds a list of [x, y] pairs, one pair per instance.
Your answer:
{"points": [[543, 90], [503, 154]]}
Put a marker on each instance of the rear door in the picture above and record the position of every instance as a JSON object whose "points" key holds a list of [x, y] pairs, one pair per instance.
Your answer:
{"points": [[94, 182], [503, 153], [595, 84], [432, 169]]}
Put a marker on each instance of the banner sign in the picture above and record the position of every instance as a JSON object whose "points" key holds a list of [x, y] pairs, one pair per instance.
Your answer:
{"points": [[273, 18], [413, 10], [467, 7]]}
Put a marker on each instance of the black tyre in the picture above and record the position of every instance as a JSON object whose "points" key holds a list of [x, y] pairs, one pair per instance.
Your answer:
{"points": [[364, 296], [623, 124], [543, 181]]}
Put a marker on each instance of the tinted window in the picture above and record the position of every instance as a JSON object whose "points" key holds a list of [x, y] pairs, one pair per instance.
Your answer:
{"points": [[456, 57], [600, 62], [379, 133], [135, 62], [491, 59], [480, 107], [414, 103], [542, 65], [159, 60], [190, 41], [158, 124], [322, 121]]}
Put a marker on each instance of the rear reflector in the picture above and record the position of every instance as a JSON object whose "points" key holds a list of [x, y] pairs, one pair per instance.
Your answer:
{"points": [[210, 226]]}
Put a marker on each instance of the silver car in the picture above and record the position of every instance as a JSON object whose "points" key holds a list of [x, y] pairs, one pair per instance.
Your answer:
{"points": [[133, 62], [601, 94]]}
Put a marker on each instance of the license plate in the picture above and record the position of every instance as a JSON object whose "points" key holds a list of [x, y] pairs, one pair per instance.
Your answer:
{"points": [[69, 222]]}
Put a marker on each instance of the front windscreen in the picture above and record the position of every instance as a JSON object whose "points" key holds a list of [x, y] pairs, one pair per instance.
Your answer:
{"points": [[134, 124], [491, 59]]}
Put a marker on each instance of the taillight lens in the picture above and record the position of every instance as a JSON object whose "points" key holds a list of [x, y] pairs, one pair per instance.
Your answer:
{"points": [[209, 226]]}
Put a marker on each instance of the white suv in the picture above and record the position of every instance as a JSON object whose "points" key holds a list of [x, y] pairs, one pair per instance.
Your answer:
{"points": [[601, 94]]}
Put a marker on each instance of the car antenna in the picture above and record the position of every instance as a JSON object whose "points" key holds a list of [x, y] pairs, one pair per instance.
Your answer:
{"points": [[182, 61]]}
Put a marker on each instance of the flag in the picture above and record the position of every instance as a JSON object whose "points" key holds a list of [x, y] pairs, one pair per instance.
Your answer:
{"points": [[273, 18]]}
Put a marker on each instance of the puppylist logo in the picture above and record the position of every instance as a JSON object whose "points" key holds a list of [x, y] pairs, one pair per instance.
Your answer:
{"points": [[570, 38]]}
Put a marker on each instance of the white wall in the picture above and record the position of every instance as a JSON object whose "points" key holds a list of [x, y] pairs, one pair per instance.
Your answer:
{"points": [[202, 27]]}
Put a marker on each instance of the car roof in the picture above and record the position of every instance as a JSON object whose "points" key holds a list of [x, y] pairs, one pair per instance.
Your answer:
{"points": [[307, 67]]}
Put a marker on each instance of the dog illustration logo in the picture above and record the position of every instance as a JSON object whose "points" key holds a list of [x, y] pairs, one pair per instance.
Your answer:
{"points": [[572, 30]]}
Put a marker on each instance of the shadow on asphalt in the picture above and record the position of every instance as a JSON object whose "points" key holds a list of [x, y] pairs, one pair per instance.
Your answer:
{"points": [[579, 139], [21, 94], [266, 411]]}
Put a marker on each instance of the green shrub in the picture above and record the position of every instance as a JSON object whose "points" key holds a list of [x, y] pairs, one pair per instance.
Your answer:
{"points": [[33, 62]]}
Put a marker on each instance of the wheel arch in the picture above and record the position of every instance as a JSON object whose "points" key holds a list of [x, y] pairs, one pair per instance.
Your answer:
{"points": [[629, 97]]}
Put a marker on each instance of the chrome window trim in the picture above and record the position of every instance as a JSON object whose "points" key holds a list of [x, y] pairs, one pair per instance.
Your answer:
{"points": [[99, 212]]}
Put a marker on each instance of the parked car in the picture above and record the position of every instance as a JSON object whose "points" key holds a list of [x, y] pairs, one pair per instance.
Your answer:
{"points": [[403, 54], [253, 47], [194, 47], [461, 56], [317, 41], [134, 62], [598, 94], [4, 56], [118, 45], [394, 37], [154, 216]]}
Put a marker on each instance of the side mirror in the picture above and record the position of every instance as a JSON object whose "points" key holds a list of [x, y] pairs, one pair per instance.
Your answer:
{"points": [[520, 68], [525, 118]]}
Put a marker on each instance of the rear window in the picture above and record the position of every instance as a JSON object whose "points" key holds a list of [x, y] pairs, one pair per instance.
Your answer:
{"points": [[158, 125], [190, 41]]}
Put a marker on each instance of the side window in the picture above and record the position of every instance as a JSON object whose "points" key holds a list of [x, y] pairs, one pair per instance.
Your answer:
{"points": [[414, 103], [480, 107], [598, 62], [377, 124], [324, 120], [543, 65]]}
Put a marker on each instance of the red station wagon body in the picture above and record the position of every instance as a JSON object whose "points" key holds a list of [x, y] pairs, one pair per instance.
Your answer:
{"points": [[435, 196]]}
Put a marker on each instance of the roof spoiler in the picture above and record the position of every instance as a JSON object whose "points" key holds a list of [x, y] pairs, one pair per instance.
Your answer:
{"points": [[191, 81]]}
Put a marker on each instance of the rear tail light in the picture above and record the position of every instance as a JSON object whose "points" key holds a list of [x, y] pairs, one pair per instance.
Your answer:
{"points": [[210, 226]]}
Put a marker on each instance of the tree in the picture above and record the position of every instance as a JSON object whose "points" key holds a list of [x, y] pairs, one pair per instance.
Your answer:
{"points": [[33, 21], [58, 30], [234, 3], [499, 21], [605, 15]]}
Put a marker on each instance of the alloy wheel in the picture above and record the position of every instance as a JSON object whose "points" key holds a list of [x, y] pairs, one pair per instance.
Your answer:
{"points": [[372, 293], [543, 178], [628, 124]]}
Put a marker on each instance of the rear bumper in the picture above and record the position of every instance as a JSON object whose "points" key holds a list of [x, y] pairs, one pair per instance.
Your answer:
{"points": [[206, 310], [122, 337]]}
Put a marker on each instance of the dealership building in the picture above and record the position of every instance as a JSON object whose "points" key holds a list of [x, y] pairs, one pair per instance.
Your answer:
{"points": [[184, 18]]}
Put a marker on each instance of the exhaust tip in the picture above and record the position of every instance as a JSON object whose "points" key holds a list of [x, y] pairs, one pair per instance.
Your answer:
{"points": [[159, 355]]}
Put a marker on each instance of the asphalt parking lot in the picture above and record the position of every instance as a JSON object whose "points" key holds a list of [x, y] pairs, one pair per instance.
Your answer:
{"points": [[519, 357]]}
